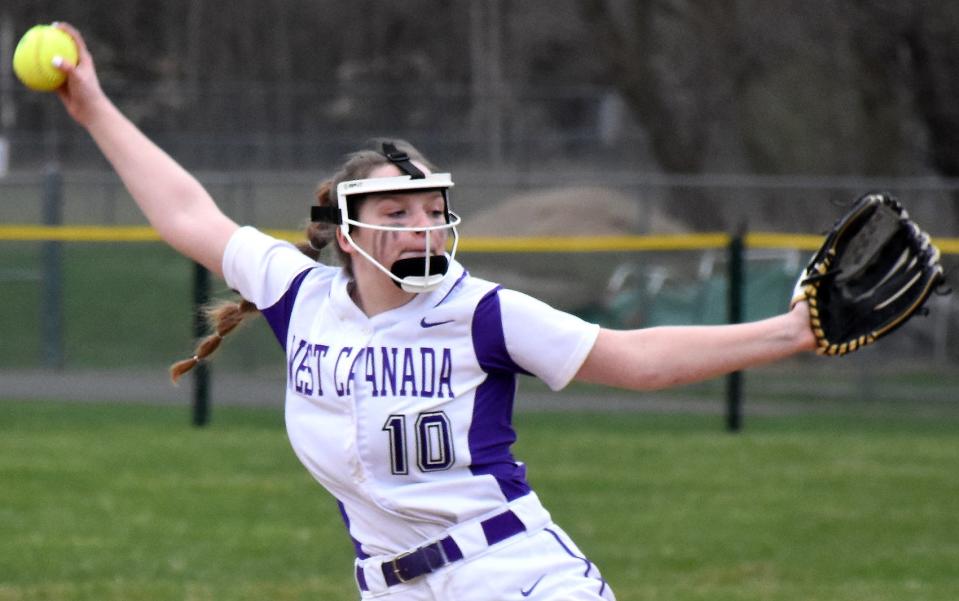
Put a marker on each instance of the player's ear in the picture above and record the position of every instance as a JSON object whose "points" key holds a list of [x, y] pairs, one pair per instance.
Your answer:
{"points": [[342, 242]]}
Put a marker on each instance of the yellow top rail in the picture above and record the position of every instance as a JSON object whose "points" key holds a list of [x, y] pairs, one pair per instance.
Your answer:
{"points": [[539, 244]]}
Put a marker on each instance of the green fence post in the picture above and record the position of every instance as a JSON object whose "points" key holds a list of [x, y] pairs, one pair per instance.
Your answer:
{"points": [[201, 373], [51, 288], [734, 381]]}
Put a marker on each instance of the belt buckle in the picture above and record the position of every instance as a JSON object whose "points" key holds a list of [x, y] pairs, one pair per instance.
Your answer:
{"points": [[396, 568]]}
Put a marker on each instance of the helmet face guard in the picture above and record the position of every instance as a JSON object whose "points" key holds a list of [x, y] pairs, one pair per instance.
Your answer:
{"points": [[413, 274]]}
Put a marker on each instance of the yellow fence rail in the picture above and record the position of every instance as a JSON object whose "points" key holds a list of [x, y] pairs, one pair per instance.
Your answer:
{"points": [[541, 244], [51, 296]]}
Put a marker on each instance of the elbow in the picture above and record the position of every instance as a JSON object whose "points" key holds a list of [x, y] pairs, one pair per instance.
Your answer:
{"points": [[619, 360], [653, 380], [638, 377]]}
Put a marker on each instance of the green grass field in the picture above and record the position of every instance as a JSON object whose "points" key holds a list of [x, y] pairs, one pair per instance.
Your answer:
{"points": [[127, 502]]}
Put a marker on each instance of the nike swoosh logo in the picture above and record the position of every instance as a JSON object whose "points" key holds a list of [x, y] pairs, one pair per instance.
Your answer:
{"points": [[529, 591], [433, 324]]}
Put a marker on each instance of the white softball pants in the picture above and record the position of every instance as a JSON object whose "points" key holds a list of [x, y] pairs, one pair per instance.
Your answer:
{"points": [[543, 565]]}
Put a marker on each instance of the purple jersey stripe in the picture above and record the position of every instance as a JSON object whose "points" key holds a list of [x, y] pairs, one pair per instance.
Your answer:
{"points": [[491, 432], [357, 545], [278, 314]]}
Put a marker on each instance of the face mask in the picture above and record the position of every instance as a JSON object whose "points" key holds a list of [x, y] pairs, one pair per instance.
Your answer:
{"points": [[415, 274]]}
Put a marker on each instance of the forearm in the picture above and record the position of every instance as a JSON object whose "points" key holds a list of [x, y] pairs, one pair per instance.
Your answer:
{"points": [[173, 201], [655, 358], [158, 184]]}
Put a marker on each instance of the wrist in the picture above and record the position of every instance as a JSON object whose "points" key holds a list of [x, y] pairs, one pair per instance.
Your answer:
{"points": [[99, 113], [803, 335]]}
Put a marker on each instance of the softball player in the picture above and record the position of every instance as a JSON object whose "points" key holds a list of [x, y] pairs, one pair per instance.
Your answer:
{"points": [[401, 367]]}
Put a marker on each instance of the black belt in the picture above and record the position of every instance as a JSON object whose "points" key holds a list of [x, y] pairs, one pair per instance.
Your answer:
{"points": [[422, 561], [429, 558]]}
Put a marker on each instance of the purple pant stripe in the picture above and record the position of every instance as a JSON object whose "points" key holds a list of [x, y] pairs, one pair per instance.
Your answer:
{"points": [[361, 579], [588, 563]]}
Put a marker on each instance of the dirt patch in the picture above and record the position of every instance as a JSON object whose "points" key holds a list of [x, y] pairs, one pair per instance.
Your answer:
{"points": [[568, 281], [573, 211]]}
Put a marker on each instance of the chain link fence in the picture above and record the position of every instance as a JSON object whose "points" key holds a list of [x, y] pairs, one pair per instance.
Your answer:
{"points": [[125, 307]]}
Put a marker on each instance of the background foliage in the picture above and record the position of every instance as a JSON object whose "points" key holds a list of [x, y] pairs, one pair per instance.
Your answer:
{"points": [[864, 87]]}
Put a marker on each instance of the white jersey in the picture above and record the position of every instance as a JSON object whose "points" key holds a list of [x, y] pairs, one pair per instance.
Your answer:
{"points": [[405, 417]]}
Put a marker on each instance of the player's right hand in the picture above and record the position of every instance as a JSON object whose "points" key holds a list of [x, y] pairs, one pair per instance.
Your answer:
{"points": [[81, 93]]}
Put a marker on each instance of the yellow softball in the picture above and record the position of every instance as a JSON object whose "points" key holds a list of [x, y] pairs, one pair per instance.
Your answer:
{"points": [[33, 58]]}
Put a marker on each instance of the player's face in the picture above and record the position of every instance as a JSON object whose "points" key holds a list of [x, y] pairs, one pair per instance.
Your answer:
{"points": [[418, 209]]}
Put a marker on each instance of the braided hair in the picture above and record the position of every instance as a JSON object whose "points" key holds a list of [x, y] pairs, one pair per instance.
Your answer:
{"points": [[224, 316]]}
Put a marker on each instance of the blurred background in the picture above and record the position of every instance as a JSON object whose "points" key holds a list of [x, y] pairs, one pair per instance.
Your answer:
{"points": [[556, 118]]}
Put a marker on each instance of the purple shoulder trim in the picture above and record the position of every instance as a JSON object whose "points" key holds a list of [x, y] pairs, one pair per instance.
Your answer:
{"points": [[489, 342], [278, 314]]}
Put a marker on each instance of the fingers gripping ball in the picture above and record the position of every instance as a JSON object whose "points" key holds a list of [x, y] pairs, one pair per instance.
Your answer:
{"points": [[874, 271], [33, 58]]}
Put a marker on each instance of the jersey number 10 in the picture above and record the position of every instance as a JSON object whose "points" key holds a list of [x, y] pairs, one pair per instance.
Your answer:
{"points": [[433, 442]]}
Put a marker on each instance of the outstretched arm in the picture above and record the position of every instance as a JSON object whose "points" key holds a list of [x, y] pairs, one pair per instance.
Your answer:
{"points": [[661, 357], [175, 203]]}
